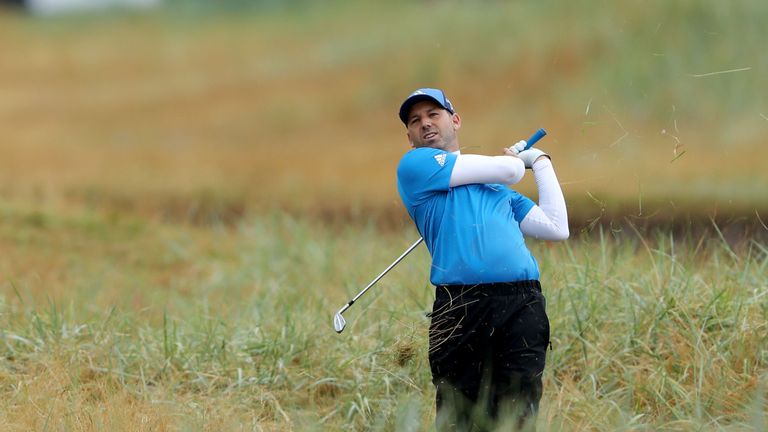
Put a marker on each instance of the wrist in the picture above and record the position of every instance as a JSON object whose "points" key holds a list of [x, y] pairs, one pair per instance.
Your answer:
{"points": [[542, 161]]}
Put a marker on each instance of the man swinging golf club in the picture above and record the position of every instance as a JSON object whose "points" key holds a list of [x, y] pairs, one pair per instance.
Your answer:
{"points": [[489, 329]]}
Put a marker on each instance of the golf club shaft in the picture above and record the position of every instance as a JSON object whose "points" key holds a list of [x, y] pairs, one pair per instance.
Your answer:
{"points": [[373, 282]]}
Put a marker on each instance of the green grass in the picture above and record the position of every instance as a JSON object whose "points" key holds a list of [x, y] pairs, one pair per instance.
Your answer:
{"points": [[141, 325]]}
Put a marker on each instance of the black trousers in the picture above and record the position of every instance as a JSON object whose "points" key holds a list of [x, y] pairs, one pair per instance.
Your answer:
{"points": [[487, 349]]}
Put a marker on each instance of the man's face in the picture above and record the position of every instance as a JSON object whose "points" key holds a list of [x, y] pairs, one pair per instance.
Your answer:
{"points": [[430, 125]]}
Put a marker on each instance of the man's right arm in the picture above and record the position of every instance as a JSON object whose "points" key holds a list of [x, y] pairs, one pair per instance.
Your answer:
{"points": [[479, 169]]}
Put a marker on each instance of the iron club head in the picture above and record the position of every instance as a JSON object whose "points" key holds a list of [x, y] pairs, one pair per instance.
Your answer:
{"points": [[339, 323]]}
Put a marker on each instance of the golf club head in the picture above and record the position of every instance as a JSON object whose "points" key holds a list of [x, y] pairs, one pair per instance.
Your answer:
{"points": [[339, 323]]}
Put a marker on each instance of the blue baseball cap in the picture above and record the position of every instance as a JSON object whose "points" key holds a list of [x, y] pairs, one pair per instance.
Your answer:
{"points": [[423, 94]]}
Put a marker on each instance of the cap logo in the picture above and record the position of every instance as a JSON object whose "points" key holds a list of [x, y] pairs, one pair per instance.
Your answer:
{"points": [[435, 95], [440, 158]]}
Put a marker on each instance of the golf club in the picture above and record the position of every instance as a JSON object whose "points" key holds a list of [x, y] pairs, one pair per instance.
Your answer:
{"points": [[535, 137], [338, 320]]}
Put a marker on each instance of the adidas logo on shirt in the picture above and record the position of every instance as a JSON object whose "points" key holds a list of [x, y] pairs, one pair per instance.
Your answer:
{"points": [[440, 159]]}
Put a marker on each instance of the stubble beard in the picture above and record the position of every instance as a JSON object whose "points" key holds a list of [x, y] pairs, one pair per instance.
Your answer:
{"points": [[445, 141]]}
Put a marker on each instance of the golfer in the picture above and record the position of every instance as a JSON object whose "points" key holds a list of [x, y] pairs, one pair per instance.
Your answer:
{"points": [[489, 329]]}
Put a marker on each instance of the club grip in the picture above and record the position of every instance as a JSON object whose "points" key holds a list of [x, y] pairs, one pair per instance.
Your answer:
{"points": [[535, 137]]}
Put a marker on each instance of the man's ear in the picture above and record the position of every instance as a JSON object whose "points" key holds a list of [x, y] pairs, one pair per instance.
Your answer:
{"points": [[410, 141], [456, 119]]}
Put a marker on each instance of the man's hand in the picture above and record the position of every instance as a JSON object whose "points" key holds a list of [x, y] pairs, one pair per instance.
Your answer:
{"points": [[510, 152], [516, 149], [531, 155]]}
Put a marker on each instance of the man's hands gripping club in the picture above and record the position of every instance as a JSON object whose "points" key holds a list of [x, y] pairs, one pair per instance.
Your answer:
{"points": [[528, 156]]}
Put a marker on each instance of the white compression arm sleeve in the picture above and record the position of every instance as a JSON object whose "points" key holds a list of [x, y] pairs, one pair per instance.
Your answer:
{"points": [[549, 219], [479, 169]]}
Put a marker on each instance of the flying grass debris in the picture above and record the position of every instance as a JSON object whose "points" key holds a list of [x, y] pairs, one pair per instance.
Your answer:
{"points": [[678, 156], [720, 72], [626, 134], [760, 220], [404, 353]]}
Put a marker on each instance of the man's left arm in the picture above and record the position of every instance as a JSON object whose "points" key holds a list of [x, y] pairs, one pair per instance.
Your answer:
{"points": [[549, 219]]}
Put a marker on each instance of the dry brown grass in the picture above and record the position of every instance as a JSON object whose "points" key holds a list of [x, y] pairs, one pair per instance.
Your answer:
{"points": [[56, 394], [241, 115]]}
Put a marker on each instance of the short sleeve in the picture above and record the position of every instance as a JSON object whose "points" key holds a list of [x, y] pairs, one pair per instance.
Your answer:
{"points": [[423, 172], [520, 205]]}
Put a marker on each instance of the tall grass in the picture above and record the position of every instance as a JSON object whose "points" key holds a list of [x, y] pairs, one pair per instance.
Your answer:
{"points": [[669, 335], [175, 327]]}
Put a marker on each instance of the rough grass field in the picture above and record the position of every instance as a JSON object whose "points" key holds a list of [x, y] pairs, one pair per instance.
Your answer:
{"points": [[112, 324], [188, 196]]}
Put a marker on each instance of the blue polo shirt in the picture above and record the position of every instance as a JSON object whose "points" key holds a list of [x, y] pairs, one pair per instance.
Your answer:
{"points": [[471, 231]]}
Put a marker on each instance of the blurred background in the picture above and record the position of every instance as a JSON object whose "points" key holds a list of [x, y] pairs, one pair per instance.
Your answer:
{"points": [[203, 111]]}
